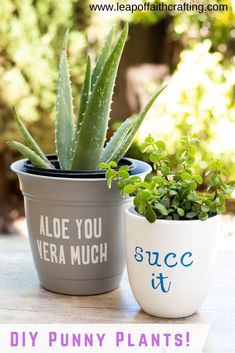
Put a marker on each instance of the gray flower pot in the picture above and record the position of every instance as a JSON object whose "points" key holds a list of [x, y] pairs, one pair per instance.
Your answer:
{"points": [[76, 230]]}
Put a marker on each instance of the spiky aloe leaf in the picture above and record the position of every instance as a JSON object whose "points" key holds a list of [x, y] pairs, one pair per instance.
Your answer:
{"points": [[120, 152], [30, 154], [29, 139], [83, 102], [64, 110], [95, 122], [116, 141], [104, 54]]}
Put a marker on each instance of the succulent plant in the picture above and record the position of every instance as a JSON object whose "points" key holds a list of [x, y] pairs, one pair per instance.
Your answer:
{"points": [[80, 143], [171, 193]]}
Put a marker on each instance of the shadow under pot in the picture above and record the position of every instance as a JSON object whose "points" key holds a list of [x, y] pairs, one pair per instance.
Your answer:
{"points": [[170, 263], [76, 227]]}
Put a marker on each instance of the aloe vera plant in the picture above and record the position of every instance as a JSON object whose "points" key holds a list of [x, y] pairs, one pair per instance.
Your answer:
{"points": [[80, 143]]}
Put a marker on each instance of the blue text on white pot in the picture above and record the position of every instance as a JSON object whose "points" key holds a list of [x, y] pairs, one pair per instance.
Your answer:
{"points": [[170, 260]]}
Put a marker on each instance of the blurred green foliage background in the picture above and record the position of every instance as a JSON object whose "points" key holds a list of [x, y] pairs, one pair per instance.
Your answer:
{"points": [[199, 98]]}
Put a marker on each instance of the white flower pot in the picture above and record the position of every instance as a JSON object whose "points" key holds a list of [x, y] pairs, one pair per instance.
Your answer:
{"points": [[170, 263]]}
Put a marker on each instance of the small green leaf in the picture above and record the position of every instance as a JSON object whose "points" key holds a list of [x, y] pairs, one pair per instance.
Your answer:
{"points": [[205, 208], [142, 208], [190, 215], [187, 205], [203, 216], [123, 173], [103, 165], [192, 197], [154, 157], [216, 165], [161, 208], [198, 179], [150, 215], [216, 180], [161, 146], [176, 217], [186, 176], [175, 202], [180, 211], [129, 189], [165, 170], [149, 140]]}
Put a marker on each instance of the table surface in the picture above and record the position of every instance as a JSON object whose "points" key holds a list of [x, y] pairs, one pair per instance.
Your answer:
{"points": [[22, 300]]}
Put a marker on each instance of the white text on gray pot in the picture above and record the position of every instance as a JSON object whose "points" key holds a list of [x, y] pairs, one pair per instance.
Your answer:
{"points": [[87, 230]]}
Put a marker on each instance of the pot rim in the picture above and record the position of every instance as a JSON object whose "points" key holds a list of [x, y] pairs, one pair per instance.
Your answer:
{"points": [[18, 168], [130, 212], [66, 173]]}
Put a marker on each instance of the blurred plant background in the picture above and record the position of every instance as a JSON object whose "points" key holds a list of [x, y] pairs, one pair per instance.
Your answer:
{"points": [[193, 52]]}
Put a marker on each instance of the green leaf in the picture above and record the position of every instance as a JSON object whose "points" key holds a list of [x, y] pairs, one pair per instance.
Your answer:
{"points": [[176, 217], [161, 146], [186, 176], [149, 140], [187, 205], [190, 215], [161, 208], [124, 167], [142, 208], [166, 201], [221, 209], [184, 141], [30, 154], [103, 165], [29, 139], [191, 151], [145, 195], [112, 164], [86, 89], [154, 157], [180, 211], [198, 179], [216, 165], [192, 197], [95, 122], [129, 138], [116, 141], [203, 216], [110, 173], [205, 208], [123, 173], [216, 180], [175, 202], [103, 57], [129, 189], [150, 215], [64, 111], [165, 170]]}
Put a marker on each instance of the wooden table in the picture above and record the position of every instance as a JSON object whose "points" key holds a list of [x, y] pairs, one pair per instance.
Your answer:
{"points": [[22, 300]]}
